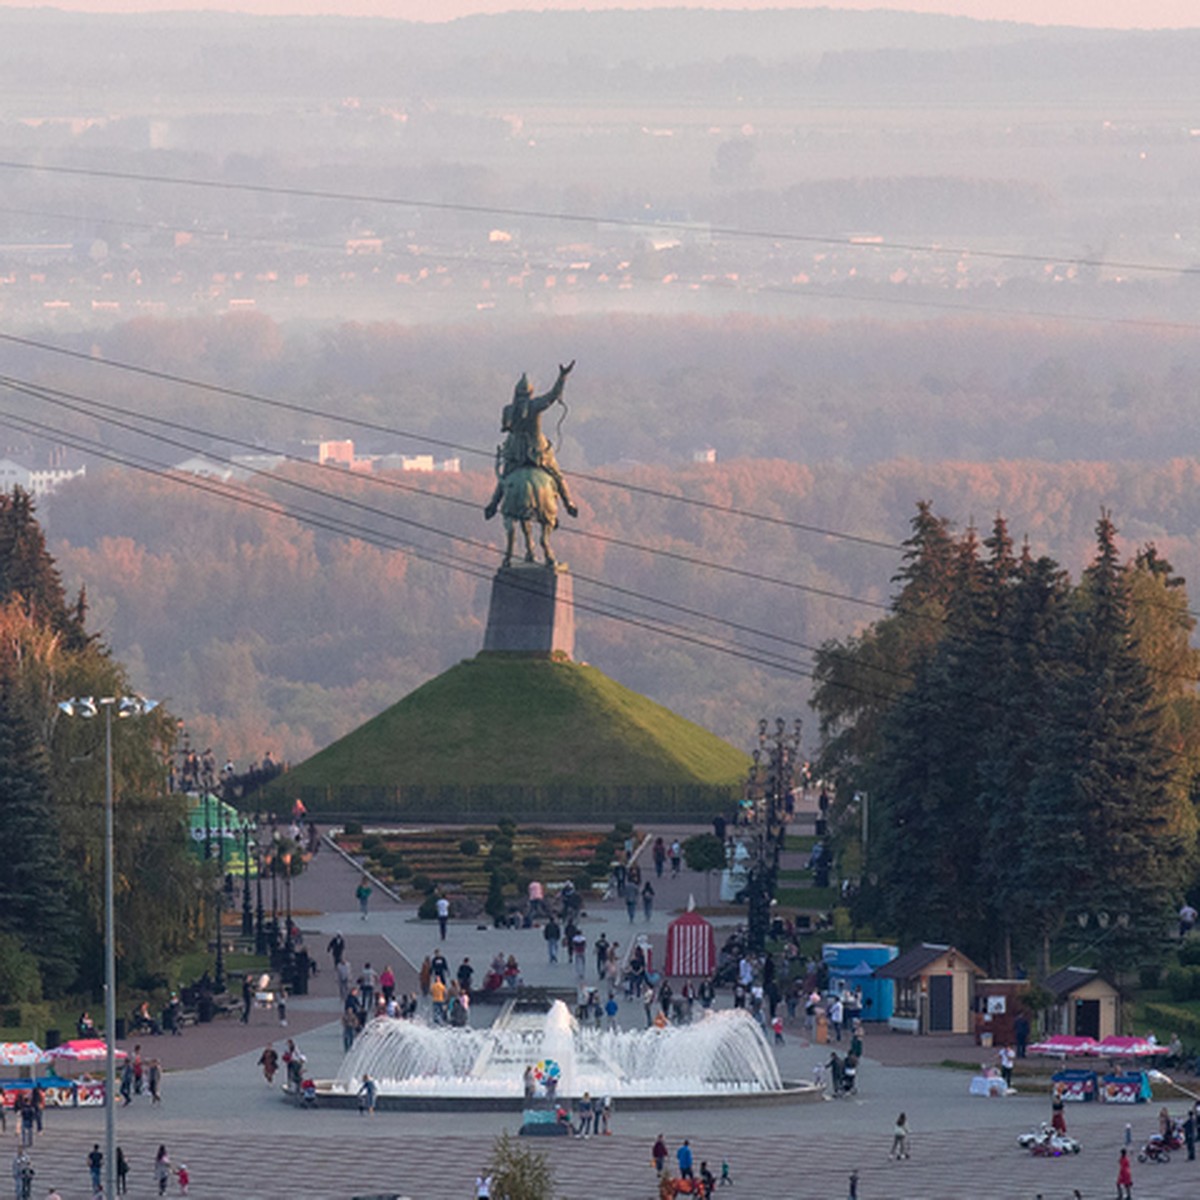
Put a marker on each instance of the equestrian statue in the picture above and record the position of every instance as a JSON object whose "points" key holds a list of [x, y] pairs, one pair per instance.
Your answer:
{"points": [[529, 483]]}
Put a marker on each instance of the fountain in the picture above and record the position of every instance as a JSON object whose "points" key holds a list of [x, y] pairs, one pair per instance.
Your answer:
{"points": [[722, 1057]]}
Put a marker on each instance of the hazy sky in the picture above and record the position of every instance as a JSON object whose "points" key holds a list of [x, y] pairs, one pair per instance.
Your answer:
{"points": [[1122, 14]]}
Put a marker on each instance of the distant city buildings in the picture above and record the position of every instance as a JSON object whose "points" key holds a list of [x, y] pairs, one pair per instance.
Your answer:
{"points": [[328, 453], [39, 480]]}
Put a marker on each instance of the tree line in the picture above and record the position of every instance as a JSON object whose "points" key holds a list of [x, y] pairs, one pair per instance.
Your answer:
{"points": [[1026, 746], [52, 788]]}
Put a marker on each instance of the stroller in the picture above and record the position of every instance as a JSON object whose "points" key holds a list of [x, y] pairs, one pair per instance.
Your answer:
{"points": [[843, 1075]]}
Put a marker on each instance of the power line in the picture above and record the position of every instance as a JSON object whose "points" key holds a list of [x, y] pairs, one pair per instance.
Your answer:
{"points": [[427, 439], [773, 235], [348, 529]]}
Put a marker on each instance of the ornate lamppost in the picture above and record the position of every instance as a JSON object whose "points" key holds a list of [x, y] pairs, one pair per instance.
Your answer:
{"points": [[769, 787], [88, 707], [260, 933], [247, 914]]}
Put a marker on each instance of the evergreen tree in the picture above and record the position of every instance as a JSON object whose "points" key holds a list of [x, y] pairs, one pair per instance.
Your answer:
{"points": [[1107, 829], [33, 876], [27, 570]]}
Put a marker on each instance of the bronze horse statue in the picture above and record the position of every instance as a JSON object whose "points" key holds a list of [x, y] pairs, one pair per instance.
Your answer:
{"points": [[529, 494], [529, 483]]}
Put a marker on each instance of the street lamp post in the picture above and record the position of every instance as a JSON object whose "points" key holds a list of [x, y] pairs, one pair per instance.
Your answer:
{"points": [[126, 706], [777, 755], [260, 933], [247, 915]]}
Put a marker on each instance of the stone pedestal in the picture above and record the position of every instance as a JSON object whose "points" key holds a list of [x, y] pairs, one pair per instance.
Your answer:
{"points": [[532, 611]]}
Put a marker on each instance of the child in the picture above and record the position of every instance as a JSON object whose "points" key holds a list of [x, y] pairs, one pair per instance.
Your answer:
{"points": [[184, 1178], [777, 1027], [726, 1178]]}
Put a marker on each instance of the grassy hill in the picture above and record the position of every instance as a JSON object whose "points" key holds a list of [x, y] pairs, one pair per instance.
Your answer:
{"points": [[540, 737]]}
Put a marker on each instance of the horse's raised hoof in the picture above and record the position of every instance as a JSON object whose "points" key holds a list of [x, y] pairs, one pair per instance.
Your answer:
{"points": [[489, 511], [572, 510]]}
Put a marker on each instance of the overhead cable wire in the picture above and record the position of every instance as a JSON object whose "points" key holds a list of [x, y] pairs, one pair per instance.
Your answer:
{"points": [[377, 427], [491, 210], [349, 529]]}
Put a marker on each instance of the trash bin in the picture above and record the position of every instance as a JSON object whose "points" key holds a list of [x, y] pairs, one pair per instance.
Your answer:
{"points": [[53, 1038], [120, 1028], [985, 1039], [822, 1029], [204, 1009], [300, 969]]}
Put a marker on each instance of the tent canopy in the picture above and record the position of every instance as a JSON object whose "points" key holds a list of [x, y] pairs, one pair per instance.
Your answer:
{"points": [[691, 947], [21, 1054]]}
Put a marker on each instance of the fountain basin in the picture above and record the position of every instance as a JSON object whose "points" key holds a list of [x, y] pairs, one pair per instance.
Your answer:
{"points": [[723, 1058]]}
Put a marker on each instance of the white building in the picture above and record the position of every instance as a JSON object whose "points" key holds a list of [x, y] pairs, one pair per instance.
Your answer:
{"points": [[37, 481]]}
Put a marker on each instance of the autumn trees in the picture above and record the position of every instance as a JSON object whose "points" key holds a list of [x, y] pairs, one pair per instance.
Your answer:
{"points": [[51, 785], [1028, 746]]}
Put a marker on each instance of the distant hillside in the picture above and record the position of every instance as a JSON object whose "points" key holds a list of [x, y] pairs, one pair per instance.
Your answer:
{"points": [[625, 55]]}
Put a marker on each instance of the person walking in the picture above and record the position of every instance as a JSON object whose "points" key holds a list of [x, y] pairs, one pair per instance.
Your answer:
{"points": [[647, 899], [659, 1153], [269, 1061], [122, 1173], [1189, 1133], [154, 1080], [1124, 1176], [162, 1170], [900, 1138], [552, 933], [366, 1096], [443, 916], [95, 1162], [22, 1172], [631, 899], [362, 894], [683, 1156]]}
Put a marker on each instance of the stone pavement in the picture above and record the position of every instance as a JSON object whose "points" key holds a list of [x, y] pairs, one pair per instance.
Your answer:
{"points": [[242, 1139]]}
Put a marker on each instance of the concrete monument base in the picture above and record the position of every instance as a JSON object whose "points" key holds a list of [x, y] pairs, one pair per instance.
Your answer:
{"points": [[532, 611]]}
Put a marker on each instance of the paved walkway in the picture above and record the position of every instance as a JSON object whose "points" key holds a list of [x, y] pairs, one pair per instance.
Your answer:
{"points": [[240, 1138]]}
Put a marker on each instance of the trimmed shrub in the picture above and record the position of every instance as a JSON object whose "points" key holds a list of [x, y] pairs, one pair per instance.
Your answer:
{"points": [[1189, 954], [401, 871], [428, 909], [468, 847], [531, 862], [1178, 1020], [423, 883], [352, 828]]}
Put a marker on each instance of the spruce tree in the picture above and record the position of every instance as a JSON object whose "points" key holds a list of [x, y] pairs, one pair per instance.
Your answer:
{"points": [[27, 570], [34, 888], [1106, 826]]}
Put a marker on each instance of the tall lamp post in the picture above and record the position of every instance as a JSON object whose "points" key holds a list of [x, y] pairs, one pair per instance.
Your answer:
{"points": [[770, 786], [247, 914], [87, 707], [260, 933]]}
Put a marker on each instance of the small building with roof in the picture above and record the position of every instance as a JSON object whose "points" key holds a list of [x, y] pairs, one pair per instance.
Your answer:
{"points": [[1085, 1004], [935, 989]]}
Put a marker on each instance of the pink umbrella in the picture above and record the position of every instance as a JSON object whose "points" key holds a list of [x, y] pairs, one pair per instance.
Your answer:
{"points": [[83, 1050], [1127, 1047], [1064, 1043], [21, 1054]]}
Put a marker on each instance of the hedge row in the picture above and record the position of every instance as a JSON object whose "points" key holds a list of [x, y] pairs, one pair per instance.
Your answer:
{"points": [[556, 803]]}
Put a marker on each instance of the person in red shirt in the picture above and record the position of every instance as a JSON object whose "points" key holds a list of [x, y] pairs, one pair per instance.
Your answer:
{"points": [[1124, 1177]]}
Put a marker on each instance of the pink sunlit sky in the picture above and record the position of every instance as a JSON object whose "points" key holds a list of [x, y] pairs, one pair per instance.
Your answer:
{"points": [[1093, 14]]}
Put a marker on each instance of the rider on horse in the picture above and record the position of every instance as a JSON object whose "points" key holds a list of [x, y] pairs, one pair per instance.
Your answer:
{"points": [[526, 445]]}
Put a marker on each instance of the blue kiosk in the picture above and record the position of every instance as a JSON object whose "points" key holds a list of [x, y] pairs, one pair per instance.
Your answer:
{"points": [[852, 965]]}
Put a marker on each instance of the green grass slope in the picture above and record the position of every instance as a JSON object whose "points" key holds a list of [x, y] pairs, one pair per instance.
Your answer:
{"points": [[499, 720]]}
